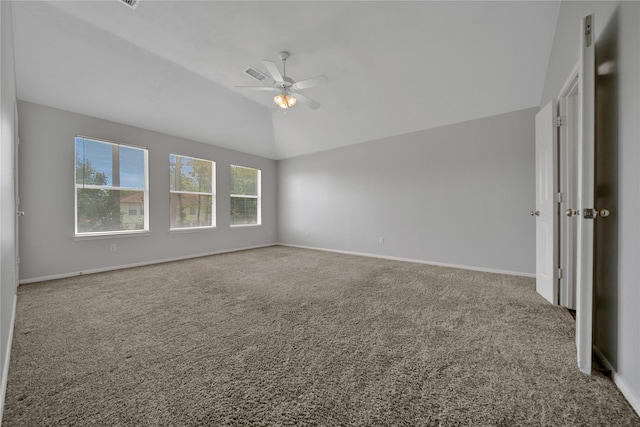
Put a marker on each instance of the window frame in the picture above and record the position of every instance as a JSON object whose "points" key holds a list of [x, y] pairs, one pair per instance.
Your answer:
{"points": [[258, 196], [212, 194], [144, 190]]}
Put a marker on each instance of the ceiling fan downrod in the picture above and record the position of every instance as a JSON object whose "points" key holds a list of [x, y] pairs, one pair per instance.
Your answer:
{"points": [[283, 56]]}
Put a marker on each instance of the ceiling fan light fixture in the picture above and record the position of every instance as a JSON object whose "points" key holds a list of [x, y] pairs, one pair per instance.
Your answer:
{"points": [[284, 100]]}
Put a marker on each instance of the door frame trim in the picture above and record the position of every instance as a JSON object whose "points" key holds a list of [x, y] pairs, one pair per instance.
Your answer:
{"points": [[568, 166]]}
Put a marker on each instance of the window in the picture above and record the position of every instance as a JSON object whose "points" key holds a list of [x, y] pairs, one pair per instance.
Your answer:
{"points": [[111, 181], [192, 192], [245, 196]]}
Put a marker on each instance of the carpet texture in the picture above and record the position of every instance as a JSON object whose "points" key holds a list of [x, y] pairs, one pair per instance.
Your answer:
{"points": [[292, 337]]}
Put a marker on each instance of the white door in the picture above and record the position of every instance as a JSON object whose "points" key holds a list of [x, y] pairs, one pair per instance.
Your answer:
{"points": [[546, 214], [584, 291]]}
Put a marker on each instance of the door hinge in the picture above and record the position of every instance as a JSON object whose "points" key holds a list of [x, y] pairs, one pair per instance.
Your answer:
{"points": [[587, 30], [559, 273], [558, 197], [560, 120]]}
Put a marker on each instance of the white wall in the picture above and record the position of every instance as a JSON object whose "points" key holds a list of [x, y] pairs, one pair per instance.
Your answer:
{"points": [[617, 261], [8, 276], [47, 246], [458, 194]]}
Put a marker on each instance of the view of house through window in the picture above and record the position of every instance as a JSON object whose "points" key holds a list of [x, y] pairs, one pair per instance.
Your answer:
{"points": [[245, 196], [192, 185], [111, 187]]}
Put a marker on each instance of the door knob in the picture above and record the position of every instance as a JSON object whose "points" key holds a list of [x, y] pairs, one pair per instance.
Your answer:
{"points": [[593, 213], [534, 213]]}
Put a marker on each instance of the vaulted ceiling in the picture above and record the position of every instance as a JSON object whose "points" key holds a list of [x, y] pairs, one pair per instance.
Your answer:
{"points": [[393, 67]]}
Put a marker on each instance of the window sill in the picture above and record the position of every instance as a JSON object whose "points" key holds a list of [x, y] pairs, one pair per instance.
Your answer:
{"points": [[80, 238], [192, 230], [244, 226]]}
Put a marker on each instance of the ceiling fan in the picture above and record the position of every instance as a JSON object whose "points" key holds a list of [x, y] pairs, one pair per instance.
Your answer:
{"points": [[287, 88]]}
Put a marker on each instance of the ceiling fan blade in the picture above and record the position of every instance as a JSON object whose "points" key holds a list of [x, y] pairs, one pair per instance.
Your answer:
{"points": [[273, 70], [255, 88], [314, 81], [307, 101]]}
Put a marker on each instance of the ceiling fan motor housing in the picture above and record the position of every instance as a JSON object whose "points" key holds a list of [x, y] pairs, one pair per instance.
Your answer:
{"points": [[286, 84]]}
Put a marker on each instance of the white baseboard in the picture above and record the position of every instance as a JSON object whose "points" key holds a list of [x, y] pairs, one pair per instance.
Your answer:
{"points": [[633, 400], [160, 261], [7, 358], [418, 261], [137, 264]]}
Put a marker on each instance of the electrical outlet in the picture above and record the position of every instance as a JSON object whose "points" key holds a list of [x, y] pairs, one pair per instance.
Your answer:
{"points": [[381, 240], [113, 247]]}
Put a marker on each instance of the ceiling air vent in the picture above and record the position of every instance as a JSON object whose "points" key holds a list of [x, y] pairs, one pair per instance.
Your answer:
{"points": [[256, 74], [131, 3]]}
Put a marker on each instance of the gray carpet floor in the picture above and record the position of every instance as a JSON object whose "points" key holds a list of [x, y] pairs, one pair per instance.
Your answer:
{"points": [[291, 337]]}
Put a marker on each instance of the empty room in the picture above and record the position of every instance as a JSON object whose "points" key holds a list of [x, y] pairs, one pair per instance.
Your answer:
{"points": [[320, 213]]}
